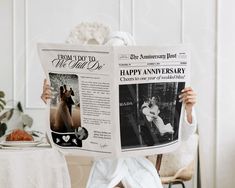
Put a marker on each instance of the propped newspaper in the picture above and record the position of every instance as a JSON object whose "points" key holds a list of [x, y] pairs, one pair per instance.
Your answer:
{"points": [[115, 101]]}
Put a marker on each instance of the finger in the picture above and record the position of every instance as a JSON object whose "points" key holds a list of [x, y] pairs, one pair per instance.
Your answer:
{"points": [[187, 89], [182, 99], [47, 95], [182, 95], [189, 97], [44, 85], [188, 93], [45, 81], [44, 99], [47, 89], [190, 101]]}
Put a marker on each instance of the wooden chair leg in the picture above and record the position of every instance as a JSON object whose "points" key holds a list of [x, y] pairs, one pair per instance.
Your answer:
{"points": [[158, 162]]}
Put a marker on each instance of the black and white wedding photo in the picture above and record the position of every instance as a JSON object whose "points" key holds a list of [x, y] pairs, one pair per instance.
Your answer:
{"points": [[149, 113]]}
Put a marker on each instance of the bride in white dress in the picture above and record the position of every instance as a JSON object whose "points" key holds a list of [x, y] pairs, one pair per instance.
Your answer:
{"points": [[151, 110]]}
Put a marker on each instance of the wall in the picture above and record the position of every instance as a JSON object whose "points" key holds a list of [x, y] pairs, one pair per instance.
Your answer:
{"points": [[152, 22], [200, 32], [226, 92]]}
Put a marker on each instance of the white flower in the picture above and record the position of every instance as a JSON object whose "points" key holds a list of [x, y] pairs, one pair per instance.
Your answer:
{"points": [[89, 33], [120, 38]]}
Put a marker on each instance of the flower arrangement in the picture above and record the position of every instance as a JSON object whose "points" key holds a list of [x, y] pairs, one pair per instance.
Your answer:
{"points": [[89, 33]]}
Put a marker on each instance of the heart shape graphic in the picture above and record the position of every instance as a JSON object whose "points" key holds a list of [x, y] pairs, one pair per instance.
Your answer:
{"points": [[66, 138]]}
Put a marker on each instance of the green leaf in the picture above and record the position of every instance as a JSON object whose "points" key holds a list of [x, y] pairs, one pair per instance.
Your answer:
{"points": [[2, 101], [27, 120], [11, 113], [2, 94], [33, 134], [19, 106], [3, 128], [7, 115], [1, 107]]}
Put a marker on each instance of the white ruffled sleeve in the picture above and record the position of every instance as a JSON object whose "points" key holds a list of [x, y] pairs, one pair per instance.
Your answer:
{"points": [[187, 128]]}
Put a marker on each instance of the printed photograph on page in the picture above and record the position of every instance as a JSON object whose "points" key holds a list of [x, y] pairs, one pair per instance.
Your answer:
{"points": [[149, 113], [65, 116]]}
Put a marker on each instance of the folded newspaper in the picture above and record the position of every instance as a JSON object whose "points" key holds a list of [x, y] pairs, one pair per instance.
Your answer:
{"points": [[115, 101]]}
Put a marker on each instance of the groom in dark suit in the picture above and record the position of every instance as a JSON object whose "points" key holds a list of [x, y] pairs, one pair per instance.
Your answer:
{"points": [[69, 100]]}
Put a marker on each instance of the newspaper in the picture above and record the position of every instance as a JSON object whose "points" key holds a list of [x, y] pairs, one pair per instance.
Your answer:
{"points": [[115, 101]]}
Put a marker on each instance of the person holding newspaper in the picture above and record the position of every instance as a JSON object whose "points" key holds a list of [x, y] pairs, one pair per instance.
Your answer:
{"points": [[132, 172]]}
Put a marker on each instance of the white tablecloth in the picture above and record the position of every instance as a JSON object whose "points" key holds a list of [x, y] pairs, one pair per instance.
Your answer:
{"points": [[33, 168]]}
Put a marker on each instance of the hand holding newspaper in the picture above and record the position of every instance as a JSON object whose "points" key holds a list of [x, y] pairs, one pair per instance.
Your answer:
{"points": [[115, 101]]}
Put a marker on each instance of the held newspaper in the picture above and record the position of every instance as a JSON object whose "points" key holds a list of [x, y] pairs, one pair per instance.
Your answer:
{"points": [[115, 101]]}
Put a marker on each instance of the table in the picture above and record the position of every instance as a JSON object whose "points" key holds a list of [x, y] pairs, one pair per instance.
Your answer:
{"points": [[33, 168]]}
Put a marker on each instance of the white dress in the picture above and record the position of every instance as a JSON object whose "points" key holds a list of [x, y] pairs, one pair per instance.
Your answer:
{"points": [[152, 115], [158, 122]]}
